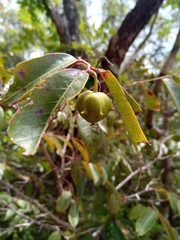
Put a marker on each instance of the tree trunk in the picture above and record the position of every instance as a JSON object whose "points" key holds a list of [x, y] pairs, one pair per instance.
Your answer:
{"points": [[134, 22], [67, 23]]}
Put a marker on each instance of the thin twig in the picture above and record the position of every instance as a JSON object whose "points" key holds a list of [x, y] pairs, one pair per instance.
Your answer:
{"points": [[55, 169], [159, 157], [58, 221], [63, 154], [15, 226], [151, 80]]}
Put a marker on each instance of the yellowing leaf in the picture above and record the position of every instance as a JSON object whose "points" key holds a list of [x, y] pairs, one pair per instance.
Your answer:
{"points": [[4, 75], [82, 149], [152, 102], [130, 121]]}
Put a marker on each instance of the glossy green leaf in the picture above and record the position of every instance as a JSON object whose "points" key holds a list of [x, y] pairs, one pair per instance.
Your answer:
{"points": [[29, 74], [95, 174], [146, 220], [73, 215], [63, 201], [167, 227], [88, 132], [152, 102], [130, 121], [28, 125], [136, 211], [55, 236], [174, 90]]}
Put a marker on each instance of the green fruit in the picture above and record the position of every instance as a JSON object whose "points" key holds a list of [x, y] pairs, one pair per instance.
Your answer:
{"points": [[93, 106]]}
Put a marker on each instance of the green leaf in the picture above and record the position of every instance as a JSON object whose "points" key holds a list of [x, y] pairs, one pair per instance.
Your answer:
{"points": [[28, 125], [75, 173], [173, 199], [85, 237], [55, 236], [178, 206], [104, 174], [73, 215], [107, 124], [28, 74], [88, 132], [63, 201], [146, 221], [168, 228], [8, 215], [115, 232], [94, 172], [100, 197], [174, 90], [136, 211], [113, 203], [1, 117], [130, 121]]}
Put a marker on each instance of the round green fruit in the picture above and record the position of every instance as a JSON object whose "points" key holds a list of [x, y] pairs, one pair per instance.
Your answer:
{"points": [[93, 106]]}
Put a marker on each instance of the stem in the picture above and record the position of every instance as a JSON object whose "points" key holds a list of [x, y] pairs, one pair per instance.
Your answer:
{"points": [[95, 88]]}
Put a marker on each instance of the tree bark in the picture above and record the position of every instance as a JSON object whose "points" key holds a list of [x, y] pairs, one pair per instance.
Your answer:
{"points": [[134, 22], [67, 23], [72, 17]]}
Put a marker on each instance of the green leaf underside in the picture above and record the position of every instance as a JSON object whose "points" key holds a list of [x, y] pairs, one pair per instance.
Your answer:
{"points": [[30, 73], [174, 90], [30, 122], [130, 121], [146, 221]]}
